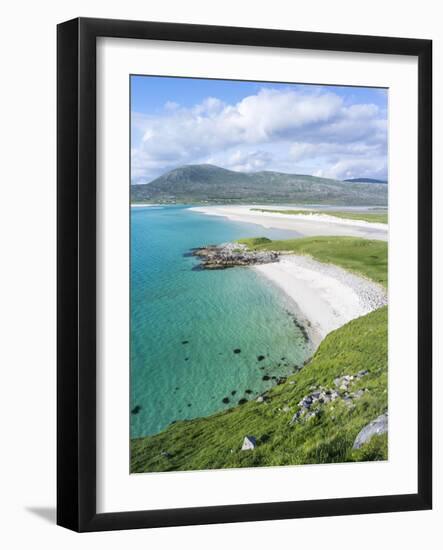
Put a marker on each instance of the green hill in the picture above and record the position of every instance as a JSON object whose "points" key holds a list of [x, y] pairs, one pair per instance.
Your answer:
{"points": [[210, 184]]}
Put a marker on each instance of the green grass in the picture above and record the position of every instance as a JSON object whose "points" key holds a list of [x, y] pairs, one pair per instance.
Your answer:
{"points": [[215, 441], [372, 217], [365, 257]]}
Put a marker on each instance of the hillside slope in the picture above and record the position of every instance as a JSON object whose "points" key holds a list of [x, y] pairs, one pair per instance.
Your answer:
{"points": [[349, 369], [210, 184]]}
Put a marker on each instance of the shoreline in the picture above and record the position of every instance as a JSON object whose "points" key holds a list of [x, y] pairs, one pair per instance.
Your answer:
{"points": [[308, 225], [326, 296]]}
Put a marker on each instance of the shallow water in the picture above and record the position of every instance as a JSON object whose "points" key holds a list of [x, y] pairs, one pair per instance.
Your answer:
{"points": [[186, 324]]}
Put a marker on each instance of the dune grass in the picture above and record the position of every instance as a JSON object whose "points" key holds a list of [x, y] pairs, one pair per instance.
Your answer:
{"points": [[371, 217]]}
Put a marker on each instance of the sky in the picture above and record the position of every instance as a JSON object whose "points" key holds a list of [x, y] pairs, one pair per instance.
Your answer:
{"points": [[329, 131]]}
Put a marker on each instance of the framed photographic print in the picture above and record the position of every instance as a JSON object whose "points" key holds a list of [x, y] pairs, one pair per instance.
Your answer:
{"points": [[244, 274]]}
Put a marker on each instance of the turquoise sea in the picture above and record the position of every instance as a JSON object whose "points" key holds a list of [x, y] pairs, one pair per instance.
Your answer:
{"points": [[186, 323]]}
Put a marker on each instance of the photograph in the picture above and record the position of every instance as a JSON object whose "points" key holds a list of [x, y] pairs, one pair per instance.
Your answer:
{"points": [[258, 274]]}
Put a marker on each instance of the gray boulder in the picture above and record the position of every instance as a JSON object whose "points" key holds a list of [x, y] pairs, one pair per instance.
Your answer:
{"points": [[378, 426], [249, 443]]}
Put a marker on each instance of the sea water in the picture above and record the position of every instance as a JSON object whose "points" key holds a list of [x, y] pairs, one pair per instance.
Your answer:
{"points": [[186, 323]]}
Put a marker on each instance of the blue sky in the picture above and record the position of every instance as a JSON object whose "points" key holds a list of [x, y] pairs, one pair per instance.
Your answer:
{"points": [[330, 131]]}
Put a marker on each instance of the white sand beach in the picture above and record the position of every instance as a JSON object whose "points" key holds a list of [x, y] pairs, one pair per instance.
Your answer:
{"points": [[307, 225], [327, 296], [144, 205]]}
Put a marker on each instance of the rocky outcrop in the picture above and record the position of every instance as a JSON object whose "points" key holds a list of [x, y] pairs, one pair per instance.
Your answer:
{"points": [[378, 426], [230, 255], [311, 405]]}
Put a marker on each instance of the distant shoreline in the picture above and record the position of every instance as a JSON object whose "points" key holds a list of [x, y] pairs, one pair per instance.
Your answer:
{"points": [[312, 225]]}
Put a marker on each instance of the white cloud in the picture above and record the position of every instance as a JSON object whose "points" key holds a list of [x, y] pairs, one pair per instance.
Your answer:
{"points": [[284, 130]]}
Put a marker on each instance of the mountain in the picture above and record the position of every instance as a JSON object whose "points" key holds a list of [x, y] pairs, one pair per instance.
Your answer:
{"points": [[205, 183], [365, 180]]}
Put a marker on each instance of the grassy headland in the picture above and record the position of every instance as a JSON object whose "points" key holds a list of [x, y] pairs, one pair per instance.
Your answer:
{"points": [[327, 432], [371, 217], [365, 257]]}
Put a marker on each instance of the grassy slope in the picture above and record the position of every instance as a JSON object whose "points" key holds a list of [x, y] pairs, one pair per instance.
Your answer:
{"points": [[372, 217], [215, 441]]}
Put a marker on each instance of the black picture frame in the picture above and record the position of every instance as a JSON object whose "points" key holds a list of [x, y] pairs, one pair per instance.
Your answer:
{"points": [[76, 267]]}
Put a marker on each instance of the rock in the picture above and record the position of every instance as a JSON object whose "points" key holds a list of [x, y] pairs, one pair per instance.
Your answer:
{"points": [[260, 399], [362, 373], [266, 377], [185, 342], [165, 454], [249, 443], [237, 350], [297, 416], [233, 392], [248, 391], [286, 408], [378, 426], [306, 402], [291, 382], [232, 254], [225, 400], [260, 357], [281, 380], [136, 409], [242, 401]]}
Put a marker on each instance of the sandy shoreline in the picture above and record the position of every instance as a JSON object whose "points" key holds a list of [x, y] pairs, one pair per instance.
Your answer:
{"points": [[143, 205], [307, 225], [327, 296]]}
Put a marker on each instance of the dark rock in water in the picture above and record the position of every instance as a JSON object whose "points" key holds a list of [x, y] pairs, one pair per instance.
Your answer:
{"points": [[237, 350], [378, 426], [266, 377], [189, 404], [225, 400], [242, 401], [260, 357], [185, 342], [274, 377], [248, 391], [186, 358], [136, 409], [233, 392], [282, 358]]}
